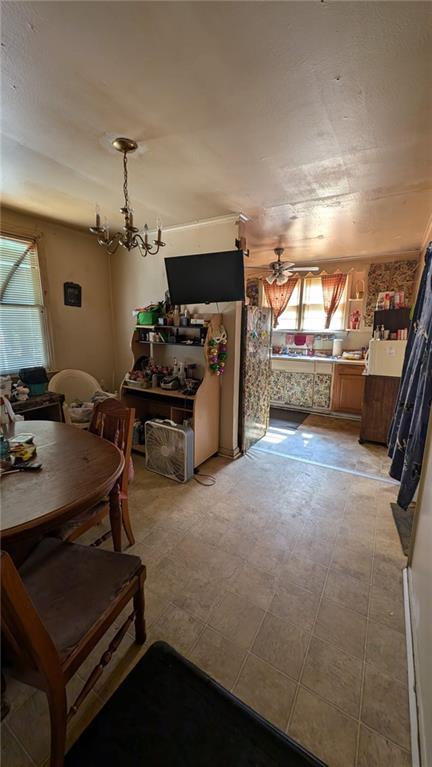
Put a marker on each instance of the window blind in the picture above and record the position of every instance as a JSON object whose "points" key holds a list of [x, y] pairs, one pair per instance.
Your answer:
{"points": [[23, 340]]}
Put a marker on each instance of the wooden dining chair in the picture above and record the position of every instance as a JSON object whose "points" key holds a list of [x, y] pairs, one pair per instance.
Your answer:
{"points": [[113, 422], [54, 611]]}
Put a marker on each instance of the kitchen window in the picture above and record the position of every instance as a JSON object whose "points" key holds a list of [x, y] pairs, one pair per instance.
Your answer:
{"points": [[305, 310], [23, 329]]}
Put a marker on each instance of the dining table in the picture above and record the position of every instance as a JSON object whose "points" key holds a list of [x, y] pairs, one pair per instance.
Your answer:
{"points": [[78, 469]]}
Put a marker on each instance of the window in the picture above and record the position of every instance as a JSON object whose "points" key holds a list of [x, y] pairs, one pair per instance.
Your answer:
{"points": [[23, 337], [305, 310], [289, 320]]}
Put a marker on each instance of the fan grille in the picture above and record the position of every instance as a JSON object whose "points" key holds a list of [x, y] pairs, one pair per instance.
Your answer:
{"points": [[166, 451]]}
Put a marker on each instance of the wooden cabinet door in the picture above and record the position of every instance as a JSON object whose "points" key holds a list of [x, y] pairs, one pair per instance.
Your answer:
{"points": [[348, 389], [379, 404]]}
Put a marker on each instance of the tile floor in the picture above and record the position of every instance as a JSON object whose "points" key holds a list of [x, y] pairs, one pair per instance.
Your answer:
{"points": [[283, 581]]}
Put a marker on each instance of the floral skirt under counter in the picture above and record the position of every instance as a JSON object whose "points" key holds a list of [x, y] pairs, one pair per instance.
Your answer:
{"points": [[305, 390]]}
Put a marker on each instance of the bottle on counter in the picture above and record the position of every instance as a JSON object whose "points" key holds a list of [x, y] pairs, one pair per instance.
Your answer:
{"points": [[176, 317], [181, 374]]}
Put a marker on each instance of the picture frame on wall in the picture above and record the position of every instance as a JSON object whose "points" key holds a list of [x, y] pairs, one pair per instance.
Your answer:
{"points": [[72, 294]]}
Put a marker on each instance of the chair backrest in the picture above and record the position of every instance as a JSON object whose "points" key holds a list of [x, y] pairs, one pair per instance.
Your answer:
{"points": [[114, 422], [74, 384], [27, 640]]}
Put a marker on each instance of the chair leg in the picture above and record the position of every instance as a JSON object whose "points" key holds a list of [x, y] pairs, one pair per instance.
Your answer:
{"points": [[115, 517], [126, 521], [138, 603], [5, 707], [58, 713]]}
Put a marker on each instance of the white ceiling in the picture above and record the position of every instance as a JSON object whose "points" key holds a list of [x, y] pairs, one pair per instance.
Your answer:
{"points": [[313, 117]]}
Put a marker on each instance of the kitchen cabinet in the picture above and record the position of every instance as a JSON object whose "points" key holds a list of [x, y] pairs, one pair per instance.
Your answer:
{"points": [[287, 388], [348, 385], [301, 386], [278, 386], [322, 390], [317, 385], [379, 402], [300, 389]]}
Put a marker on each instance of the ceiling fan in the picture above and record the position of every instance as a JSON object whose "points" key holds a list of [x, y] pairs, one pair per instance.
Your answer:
{"points": [[281, 271]]}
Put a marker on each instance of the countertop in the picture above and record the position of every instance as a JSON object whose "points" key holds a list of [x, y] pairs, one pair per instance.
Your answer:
{"points": [[306, 358]]}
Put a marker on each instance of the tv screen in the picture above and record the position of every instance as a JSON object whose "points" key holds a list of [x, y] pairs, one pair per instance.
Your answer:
{"points": [[206, 278]]}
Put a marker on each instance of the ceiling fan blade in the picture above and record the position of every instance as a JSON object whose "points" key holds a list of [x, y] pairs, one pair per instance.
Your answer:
{"points": [[270, 279], [306, 268], [281, 279]]}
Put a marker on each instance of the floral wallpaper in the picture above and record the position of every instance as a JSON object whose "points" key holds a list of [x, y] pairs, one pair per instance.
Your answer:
{"points": [[389, 275], [253, 291]]}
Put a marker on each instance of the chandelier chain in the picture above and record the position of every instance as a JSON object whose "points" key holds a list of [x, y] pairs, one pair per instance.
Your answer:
{"points": [[125, 182]]}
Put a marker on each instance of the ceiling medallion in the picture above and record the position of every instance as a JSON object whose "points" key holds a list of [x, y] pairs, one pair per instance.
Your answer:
{"points": [[131, 237]]}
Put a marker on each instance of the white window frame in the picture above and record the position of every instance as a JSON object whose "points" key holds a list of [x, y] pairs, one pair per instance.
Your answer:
{"points": [[43, 308], [301, 309]]}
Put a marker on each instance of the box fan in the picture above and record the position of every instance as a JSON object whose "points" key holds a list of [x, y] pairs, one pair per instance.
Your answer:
{"points": [[169, 449]]}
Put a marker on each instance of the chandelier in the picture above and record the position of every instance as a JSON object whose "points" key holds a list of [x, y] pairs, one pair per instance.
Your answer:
{"points": [[131, 237]]}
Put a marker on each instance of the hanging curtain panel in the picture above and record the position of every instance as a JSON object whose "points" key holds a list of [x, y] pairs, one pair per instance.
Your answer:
{"points": [[278, 297], [333, 287], [410, 421]]}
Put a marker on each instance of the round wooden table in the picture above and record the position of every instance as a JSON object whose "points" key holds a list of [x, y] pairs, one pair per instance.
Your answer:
{"points": [[78, 469]]}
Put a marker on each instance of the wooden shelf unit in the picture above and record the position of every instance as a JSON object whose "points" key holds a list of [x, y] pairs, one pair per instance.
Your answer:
{"points": [[202, 408]]}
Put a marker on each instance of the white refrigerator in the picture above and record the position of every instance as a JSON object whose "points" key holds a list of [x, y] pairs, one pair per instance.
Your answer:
{"points": [[385, 358]]}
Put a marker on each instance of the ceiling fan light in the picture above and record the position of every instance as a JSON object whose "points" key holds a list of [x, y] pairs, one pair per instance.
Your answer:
{"points": [[281, 279]]}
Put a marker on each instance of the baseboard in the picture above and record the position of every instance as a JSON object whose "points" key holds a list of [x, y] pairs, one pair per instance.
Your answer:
{"points": [[415, 750], [315, 411], [231, 453]]}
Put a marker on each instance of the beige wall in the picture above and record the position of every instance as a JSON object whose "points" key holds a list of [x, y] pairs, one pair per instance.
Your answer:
{"points": [[420, 578], [81, 337], [139, 281]]}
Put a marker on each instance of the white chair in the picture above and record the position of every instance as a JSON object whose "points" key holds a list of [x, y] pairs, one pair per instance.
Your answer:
{"points": [[75, 385]]}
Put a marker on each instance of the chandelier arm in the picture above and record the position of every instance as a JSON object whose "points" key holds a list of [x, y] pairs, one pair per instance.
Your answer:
{"points": [[153, 252], [112, 244], [138, 239]]}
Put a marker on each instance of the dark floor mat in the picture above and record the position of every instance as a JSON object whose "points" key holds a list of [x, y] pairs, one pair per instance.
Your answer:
{"points": [[288, 419], [404, 522], [168, 713]]}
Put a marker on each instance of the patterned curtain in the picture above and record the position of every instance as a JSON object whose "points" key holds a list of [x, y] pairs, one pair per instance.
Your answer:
{"points": [[333, 286], [278, 297], [410, 420]]}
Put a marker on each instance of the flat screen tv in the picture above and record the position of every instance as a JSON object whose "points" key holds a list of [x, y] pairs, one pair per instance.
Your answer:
{"points": [[206, 278]]}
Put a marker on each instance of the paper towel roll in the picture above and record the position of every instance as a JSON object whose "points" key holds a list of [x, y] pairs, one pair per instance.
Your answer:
{"points": [[337, 347]]}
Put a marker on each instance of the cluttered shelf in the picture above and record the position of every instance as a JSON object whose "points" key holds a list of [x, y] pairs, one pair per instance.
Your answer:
{"points": [[184, 389], [172, 343], [156, 390]]}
